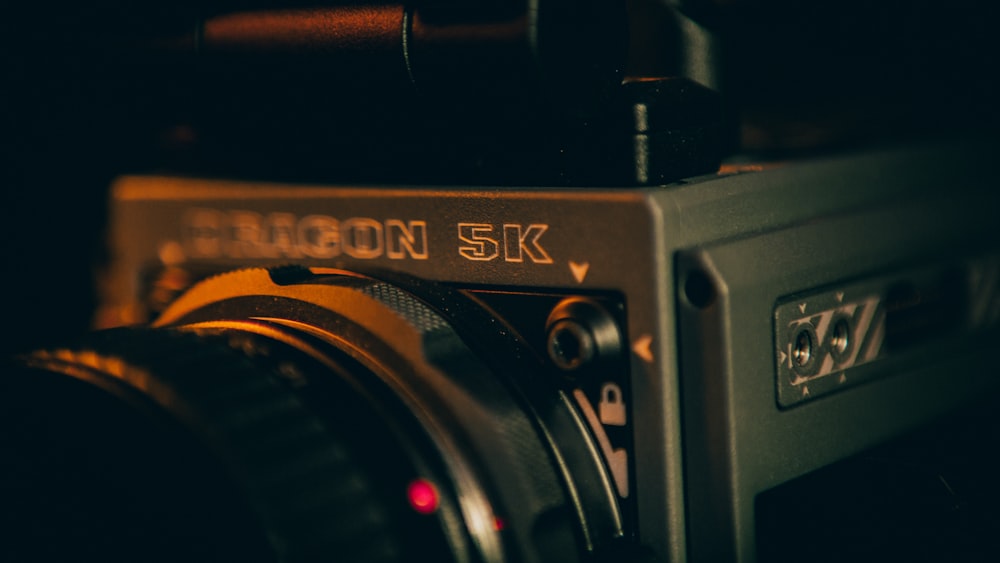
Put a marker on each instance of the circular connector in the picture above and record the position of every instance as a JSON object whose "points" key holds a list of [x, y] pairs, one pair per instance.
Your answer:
{"points": [[802, 350], [841, 342], [805, 348]]}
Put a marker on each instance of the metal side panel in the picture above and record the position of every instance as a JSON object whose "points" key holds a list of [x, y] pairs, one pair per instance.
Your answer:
{"points": [[767, 395]]}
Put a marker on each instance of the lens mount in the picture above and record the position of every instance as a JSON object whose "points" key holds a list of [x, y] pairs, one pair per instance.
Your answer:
{"points": [[297, 382]]}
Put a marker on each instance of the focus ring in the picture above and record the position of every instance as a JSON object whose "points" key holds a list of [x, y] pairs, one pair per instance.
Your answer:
{"points": [[297, 476]]}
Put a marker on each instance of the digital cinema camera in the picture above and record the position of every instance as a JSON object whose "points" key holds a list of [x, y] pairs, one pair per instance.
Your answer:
{"points": [[448, 281]]}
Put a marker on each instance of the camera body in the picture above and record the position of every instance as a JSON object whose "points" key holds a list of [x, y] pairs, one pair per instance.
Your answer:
{"points": [[766, 320], [494, 263]]}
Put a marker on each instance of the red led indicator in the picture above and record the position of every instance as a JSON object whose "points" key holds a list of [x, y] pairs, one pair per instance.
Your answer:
{"points": [[423, 496], [499, 524]]}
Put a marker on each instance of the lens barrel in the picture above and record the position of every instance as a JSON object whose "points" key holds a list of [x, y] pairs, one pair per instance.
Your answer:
{"points": [[303, 416]]}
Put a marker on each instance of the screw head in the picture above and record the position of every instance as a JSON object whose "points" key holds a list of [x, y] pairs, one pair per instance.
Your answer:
{"points": [[570, 344], [582, 334]]}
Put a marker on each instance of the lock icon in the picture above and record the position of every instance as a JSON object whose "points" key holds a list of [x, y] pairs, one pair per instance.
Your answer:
{"points": [[612, 405]]}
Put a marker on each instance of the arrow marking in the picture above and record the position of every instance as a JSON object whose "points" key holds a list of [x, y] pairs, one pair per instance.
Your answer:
{"points": [[642, 348], [843, 379], [781, 357], [579, 270], [840, 297], [802, 308]]}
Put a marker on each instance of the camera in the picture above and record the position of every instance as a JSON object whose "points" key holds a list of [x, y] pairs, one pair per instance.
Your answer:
{"points": [[451, 282]]}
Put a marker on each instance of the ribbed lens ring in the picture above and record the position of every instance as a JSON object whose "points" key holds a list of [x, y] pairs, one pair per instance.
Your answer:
{"points": [[313, 491], [90, 473]]}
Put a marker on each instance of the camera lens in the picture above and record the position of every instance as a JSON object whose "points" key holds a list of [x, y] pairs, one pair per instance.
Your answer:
{"points": [[298, 416]]}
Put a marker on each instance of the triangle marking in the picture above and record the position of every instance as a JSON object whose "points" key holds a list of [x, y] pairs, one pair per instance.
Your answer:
{"points": [[579, 270]]}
